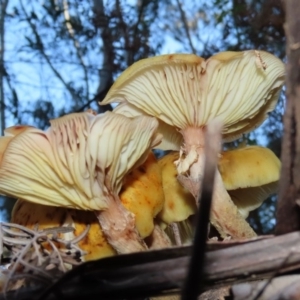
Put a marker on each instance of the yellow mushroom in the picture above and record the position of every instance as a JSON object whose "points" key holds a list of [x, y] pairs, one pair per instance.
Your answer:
{"points": [[185, 92], [250, 176], [179, 202], [143, 195]]}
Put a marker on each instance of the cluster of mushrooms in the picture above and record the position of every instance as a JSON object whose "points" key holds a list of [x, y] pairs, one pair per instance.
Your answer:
{"points": [[99, 170]]}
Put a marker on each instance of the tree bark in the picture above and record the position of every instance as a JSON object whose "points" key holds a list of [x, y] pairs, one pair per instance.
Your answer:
{"points": [[288, 212], [3, 6]]}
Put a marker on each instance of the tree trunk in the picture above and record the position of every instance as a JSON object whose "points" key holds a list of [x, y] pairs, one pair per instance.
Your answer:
{"points": [[3, 6], [288, 212]]}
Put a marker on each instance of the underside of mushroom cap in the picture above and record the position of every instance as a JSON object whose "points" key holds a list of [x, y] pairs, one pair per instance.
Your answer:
{"points": [[78, 161], [172, 138], [184, 90]]}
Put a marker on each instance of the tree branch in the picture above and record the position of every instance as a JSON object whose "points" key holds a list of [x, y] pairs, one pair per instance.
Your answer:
{"points": [[76, 45], [46, 57], [185, 26], [106, 72], [162, 272]]}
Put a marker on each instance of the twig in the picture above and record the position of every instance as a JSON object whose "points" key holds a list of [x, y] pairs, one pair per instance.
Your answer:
{"points": [[98, 97], [195, 274], [61, 262], [20, 227], [269, 280], [29, 254]]}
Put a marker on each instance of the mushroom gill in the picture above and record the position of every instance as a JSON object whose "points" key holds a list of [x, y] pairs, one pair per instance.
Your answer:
{"points": [[80, 163]]}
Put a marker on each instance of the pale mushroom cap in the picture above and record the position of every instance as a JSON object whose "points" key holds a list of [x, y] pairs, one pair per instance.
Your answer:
{"points": [[78, 162], [179, 202], [94, 243], [250, 175], [184, 90], [142, 194]]}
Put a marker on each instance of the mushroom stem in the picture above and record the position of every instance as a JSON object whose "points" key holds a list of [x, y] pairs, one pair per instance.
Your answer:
{"points": [[176, 233], [158, 239], [118, 225], [224, 213], [193, 152]]}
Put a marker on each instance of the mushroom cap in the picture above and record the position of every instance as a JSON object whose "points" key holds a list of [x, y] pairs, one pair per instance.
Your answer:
{"points": [[78, 162], [94, 243], [184, 90], [179, 202], [250, 175], [15, 130], [142, 194]]}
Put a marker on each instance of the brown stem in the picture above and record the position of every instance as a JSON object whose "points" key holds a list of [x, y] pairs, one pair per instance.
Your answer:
{"points": [[225, 216], [118, 225]]}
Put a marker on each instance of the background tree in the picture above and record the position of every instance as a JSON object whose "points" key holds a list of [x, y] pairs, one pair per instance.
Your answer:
{"points": [[288, 213]]}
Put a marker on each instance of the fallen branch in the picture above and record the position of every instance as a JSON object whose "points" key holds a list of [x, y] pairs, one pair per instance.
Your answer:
{"points": [[161, 272]]}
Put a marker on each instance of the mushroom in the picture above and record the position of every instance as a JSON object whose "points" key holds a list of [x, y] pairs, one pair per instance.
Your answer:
{"points": [[94, 243], [142, 194], [179, 202], [80, 163], [185, 92], [250, 176]]}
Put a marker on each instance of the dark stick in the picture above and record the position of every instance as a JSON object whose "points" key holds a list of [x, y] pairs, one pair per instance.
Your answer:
{"points": [[194, 278]]}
